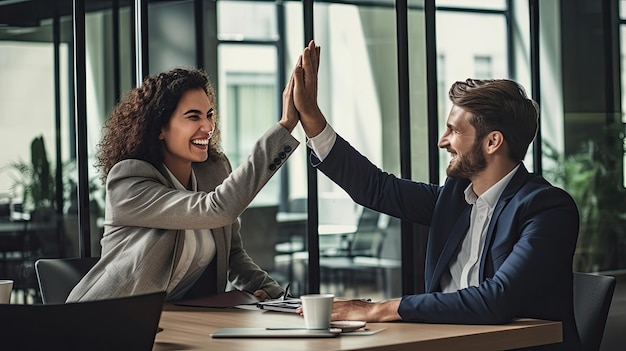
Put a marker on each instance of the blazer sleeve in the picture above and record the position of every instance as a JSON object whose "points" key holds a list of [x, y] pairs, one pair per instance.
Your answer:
{"points": [[139, 196], [243, 273], [374, 188]]}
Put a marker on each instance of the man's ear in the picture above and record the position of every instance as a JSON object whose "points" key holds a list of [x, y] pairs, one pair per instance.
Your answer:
{"points": [[494, 141]]}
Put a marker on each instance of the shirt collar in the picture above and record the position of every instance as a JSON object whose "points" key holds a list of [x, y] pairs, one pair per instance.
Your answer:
{"points": [[492, 194]]}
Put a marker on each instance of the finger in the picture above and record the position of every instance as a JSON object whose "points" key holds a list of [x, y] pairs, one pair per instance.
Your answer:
{"points": [[298, 74], [288, 91], [307, 63], [318, 51], [314, 55]]}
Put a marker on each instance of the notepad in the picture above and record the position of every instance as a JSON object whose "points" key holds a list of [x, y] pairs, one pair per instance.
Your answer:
{"points": [[272, 333], [289, 305]]}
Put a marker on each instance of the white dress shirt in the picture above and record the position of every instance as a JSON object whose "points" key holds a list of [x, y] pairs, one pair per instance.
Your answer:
{"points": [[322, 143], [465, 267], [198, 251]]}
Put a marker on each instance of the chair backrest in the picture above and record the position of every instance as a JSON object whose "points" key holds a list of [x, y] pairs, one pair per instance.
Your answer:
{"points": [[337, 208], [58, 276], [259, 232], [592, 299], [369, 235], [128, 323]]}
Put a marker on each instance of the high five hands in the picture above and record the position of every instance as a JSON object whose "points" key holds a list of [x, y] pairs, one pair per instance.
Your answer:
{"points": [[305, 90], [300, 94]]}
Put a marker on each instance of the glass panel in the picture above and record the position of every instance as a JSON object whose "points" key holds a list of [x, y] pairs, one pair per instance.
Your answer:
{"points": [[622, 29], [29, 226], [172, 37], [246, 20], [457, 47], [358, 95], [474, 4], [248, 104]]}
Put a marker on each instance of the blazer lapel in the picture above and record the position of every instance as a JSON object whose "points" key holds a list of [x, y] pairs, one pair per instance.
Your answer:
{"points": [[220, 244], [518, 180], [457, 233]]}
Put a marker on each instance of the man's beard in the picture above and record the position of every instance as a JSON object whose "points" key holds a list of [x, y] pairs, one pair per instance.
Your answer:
{"points": [[468, 165]]}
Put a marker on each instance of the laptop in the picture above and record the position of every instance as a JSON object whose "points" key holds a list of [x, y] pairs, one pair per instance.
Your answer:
{"points": [[121, 324]]}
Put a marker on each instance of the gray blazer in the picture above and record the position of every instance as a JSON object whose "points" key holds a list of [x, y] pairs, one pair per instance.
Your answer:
{"points": [[145, 217]]}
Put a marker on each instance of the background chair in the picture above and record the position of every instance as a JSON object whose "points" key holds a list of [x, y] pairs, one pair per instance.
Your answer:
{"points": [[58, 276], [259, 234], [341, 268], [592, 299], [121, 324]]}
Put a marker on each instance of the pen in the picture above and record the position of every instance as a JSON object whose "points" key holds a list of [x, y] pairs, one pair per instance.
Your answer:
{"points": [[286, 293]]}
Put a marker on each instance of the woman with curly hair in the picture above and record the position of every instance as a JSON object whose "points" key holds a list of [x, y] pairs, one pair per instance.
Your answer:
{"points": [[172, 199]]}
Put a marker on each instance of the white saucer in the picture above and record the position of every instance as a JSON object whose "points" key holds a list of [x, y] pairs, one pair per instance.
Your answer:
{"points": [[347, 326]]}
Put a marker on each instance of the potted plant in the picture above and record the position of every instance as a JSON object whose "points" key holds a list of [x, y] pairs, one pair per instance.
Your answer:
{"points": [[36, 182], [593, 179]]}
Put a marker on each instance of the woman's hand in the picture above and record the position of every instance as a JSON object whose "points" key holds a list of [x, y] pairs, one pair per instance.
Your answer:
{"points": [[290, 117], [261, 295]]}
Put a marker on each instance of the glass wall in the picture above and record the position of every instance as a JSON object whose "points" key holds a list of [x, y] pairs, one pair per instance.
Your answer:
{"points": [[250, 48]]}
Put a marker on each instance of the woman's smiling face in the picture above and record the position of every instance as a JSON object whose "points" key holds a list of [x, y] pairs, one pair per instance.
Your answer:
{"points": [[186, 137]]}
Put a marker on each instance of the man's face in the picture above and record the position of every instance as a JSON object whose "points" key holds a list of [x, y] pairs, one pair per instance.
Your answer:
{"points": [[459, 139]]}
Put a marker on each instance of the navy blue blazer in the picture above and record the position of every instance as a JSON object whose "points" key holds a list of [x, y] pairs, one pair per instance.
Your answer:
{"points": [[526, 266]]}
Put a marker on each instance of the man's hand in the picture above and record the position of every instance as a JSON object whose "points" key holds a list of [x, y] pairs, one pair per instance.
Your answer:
{"points": [[359, 310], [305, 91]]}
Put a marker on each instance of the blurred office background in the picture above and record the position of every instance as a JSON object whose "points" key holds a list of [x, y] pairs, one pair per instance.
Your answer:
{"points": [[385, 70]]}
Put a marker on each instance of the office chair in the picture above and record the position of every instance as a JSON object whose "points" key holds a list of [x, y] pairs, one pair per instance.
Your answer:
{"points": [[592, 299], [120, 324], [58, 276]]}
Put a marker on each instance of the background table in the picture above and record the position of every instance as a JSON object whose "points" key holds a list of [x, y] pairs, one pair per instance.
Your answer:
{"points": [[189, 328]]}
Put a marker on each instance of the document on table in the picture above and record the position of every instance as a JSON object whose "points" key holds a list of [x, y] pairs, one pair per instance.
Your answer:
{"points": [[280, 305]]}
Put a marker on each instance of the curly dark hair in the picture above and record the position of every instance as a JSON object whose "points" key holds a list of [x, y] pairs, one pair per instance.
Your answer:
{"points": [[502, 105], [133, 127]]}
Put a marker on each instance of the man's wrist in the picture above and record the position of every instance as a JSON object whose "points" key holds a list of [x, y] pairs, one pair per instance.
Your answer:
{"points": [[313, 123], [386, 311]]}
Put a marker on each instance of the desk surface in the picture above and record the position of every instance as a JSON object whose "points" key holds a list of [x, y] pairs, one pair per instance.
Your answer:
{"points": [[189, 328]]}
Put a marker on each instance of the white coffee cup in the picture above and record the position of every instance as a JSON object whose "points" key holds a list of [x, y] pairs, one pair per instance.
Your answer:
{"points": [[317, 309], [6, 287]]}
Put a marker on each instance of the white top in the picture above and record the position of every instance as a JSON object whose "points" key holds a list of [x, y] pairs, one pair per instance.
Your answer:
{"points": [[198, 251]]}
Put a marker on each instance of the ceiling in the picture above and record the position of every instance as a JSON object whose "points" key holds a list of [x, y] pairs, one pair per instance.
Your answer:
{"points": [[30, 13]]}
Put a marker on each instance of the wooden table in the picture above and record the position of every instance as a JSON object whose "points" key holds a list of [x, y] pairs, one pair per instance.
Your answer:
{"points": [[189, 328]]}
